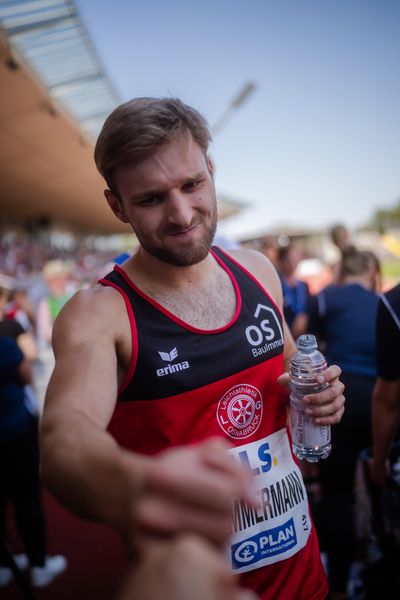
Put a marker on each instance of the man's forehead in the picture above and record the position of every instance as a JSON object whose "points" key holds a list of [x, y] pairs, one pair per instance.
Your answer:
{"points": [[181, 158]]}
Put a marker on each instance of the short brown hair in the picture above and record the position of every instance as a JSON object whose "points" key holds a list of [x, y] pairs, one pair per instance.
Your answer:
{"points": [[357, 262], [136, 129]]}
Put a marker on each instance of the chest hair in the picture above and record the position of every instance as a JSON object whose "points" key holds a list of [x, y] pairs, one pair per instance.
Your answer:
{"points": [[207, 306]]}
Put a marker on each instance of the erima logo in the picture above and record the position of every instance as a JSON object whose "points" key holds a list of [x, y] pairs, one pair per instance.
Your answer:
{"points": [[169, 357]]}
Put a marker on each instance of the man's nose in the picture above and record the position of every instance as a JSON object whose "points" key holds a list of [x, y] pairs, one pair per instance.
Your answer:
{"points": [[179, 210]]}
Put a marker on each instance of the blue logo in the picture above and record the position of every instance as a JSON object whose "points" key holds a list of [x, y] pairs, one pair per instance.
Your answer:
{"points": [[267, 543]]}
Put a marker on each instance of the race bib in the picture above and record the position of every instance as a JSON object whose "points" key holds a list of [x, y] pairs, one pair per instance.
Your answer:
{"points": [[280, 525]]}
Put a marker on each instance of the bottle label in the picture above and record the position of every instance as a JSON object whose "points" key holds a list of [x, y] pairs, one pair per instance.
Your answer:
{"points": [[280, 525], [305, 433]]}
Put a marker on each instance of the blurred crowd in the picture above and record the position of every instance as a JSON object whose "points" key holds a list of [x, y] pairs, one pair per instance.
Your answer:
{"points": [[23, 256], [37, 278], [342, 313]]}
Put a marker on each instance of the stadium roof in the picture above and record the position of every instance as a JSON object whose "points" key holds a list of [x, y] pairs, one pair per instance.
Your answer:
{"points": [[55, 97], [51, 38]]}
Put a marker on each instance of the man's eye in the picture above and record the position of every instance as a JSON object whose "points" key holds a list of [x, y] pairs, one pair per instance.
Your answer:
{"points": [[190, 185], [150, 200]]}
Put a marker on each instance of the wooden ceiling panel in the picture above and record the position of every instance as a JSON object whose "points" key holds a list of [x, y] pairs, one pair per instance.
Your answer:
{"points": [[46, 169]]}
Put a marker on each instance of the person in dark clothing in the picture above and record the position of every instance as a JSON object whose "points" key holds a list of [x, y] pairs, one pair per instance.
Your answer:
{"points": [[19, 470], [296, 295], [344, 321], [386, 397]]}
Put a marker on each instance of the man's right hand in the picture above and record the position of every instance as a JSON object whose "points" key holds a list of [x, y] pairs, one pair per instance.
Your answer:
{"points": [[189, 489]]}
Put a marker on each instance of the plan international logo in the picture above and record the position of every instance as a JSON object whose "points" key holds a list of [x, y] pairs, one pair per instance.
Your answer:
{"points": [[265, 544], [169, 357]]}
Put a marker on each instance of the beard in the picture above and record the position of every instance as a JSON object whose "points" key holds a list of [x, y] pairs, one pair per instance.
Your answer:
{"points": [[184, 255]]}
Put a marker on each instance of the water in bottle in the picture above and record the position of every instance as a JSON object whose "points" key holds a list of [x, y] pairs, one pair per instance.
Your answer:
{"points": [[310, 441]]}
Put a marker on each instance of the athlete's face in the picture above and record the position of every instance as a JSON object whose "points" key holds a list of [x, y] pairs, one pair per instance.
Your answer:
{"points": [[169, 200]]}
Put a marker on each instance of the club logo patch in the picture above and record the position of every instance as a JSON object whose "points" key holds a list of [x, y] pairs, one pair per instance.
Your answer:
{"points": [[240, 410]]}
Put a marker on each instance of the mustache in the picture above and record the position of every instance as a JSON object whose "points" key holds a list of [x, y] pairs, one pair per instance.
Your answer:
{"points": [[173, 229]]}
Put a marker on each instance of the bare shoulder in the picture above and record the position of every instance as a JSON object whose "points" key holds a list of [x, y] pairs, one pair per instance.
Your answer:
{"points": [[89, 313], [262, 269], [86, 341]]}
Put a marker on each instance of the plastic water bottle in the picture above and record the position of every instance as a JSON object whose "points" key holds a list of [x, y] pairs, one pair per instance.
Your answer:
{"points": [[310, 441]]}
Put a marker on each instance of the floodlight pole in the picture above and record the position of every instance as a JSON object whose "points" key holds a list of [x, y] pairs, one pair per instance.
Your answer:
{"points": [[237, 101]]}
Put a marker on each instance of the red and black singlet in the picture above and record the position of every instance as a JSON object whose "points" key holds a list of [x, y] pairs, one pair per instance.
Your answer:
{"points": [[186, 384]]}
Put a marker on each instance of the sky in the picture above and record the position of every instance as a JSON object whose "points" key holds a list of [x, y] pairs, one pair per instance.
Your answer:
{"points": [[318, 140]]}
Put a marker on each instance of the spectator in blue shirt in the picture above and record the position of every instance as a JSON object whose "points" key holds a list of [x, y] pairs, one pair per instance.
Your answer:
{"points": [[344, 321], [296, 295]]}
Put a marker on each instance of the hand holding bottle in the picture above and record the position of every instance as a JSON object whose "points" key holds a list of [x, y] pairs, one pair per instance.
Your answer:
{"points": [[327, 406], [310, 441]]}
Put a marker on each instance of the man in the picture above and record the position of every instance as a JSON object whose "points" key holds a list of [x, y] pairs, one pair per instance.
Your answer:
{"points": [[386, 395], [169, 368]]}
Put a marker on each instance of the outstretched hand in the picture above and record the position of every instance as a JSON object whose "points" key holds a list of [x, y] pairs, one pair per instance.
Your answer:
{"points": [[190, 489], [326, 407]]}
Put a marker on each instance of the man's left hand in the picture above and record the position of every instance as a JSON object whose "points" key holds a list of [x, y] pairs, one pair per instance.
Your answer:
{"points": [[327, 407]]}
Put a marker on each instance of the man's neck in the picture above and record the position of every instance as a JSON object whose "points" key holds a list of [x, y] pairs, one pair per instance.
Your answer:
{"points": [[201, 295], [149, 270]]}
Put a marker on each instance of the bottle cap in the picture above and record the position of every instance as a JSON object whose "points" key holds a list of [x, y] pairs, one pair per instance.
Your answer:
{"points": [[307, 343]]}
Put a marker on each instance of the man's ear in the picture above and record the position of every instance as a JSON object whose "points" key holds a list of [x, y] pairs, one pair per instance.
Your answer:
{"points": [[210, 166], [116, 206]]}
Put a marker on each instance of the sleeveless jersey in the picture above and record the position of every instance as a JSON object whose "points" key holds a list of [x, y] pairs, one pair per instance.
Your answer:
{"points": [[186, 384]]}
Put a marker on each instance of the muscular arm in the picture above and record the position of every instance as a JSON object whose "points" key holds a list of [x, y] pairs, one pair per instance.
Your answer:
{"points": [[81, 463], [385, 423], [182, 489]]}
